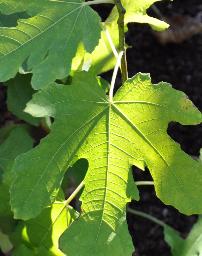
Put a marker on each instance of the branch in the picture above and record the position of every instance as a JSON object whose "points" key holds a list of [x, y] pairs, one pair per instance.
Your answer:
{"points": [[120, 22]]}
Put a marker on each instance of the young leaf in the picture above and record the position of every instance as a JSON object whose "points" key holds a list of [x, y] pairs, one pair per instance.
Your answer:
{"points": [[191, 246], [136, 12], [102, 58], [48, 40], [18, 94], [112, 135]]}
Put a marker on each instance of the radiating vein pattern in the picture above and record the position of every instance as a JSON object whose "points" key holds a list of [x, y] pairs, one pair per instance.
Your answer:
{"points": [[47, 39], [112, 136]]}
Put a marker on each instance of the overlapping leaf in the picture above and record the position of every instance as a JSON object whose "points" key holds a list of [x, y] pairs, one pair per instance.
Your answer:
{"points": [[48, 40], [136, 12], [14, 140], [112, 136], [18, 94], [191, 246], [41, 234], [102, 58]]}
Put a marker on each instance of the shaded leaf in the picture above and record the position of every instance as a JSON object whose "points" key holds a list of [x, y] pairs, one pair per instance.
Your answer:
{"points": [[18, 142], [191, 246], [109, 243], [18, 94]]}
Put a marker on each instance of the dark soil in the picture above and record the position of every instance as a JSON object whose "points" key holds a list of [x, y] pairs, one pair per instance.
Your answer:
{"points": [[179, 64]]}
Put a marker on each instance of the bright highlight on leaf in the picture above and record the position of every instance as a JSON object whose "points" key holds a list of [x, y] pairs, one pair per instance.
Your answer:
{"points": [[41, 235], [48, 40], [136, 12], [112, 135]]}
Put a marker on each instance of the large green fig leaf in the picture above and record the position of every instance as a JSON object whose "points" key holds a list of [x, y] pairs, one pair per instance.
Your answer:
{"points": [[191, 246], [48, 40], [112, 135]]}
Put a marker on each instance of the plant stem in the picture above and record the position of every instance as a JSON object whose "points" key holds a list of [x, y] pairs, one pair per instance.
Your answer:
{"points": [[118, 62], [98, 2], [147, 216], [144, 183], [111, 43], [74, 194], [120, 22]]}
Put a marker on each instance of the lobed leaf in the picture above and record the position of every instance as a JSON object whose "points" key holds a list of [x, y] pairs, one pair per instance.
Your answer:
{"points": [[112, 135], [48, 40]]}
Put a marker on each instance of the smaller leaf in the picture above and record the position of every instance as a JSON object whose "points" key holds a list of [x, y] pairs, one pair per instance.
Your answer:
{"points": [[136, 11], [42, 233], [15, 140], [19, 93], [18, 142], [191, 246]]}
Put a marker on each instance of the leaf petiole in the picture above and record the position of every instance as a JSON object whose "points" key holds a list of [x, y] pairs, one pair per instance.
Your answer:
{"points": [[74, 194], [118, 63], [147, 216], [98, 2], [144, 183]]}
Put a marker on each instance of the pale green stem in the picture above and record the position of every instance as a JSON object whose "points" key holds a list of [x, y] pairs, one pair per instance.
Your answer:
{"points": [[118, 62], [74, 194], [147, 216], [144, 183], [98, 2], [121, 27], [111, 43]]}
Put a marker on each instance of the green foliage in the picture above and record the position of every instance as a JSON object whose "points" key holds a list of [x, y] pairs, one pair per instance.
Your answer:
{"points": [[95, 137], [136, 12], [40, 235], [18, 141], [131, 128], [34, 42], [18, 94], [102, 58], [191, 246]]}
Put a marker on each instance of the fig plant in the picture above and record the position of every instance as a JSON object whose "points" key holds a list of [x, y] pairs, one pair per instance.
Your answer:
{"points": [[60, 48]]}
